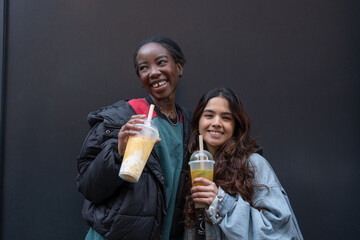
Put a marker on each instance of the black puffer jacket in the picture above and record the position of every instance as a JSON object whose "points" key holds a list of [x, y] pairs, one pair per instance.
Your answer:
{"points": [[115, 208]]}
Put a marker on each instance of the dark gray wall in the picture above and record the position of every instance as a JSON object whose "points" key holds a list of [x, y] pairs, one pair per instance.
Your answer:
{"points": [[294, 64], [2, 96]]}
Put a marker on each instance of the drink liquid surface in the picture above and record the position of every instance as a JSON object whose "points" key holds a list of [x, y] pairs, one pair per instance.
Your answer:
{"points": [[207, 173]]}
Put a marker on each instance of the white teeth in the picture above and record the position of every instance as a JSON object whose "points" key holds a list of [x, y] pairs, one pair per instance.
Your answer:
{"points": [[215, 133], [162, 83], [155, 85]]}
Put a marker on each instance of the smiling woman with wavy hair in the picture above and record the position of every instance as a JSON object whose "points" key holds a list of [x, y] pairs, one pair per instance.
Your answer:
{"points": [[246, 200]]}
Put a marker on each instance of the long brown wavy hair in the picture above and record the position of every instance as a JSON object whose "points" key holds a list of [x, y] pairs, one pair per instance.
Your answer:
{"points": [[230, 171]]}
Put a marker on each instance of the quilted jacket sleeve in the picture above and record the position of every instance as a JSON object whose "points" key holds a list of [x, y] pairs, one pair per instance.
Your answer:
{"points": [[99, 164]]}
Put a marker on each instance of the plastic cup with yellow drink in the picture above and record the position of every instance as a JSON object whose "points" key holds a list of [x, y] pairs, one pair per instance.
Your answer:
{"points": [[138, 150], [201, 165]]}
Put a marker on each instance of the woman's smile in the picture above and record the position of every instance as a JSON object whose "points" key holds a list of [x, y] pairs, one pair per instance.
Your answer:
{"points": [[215, 134], [158, 84]]}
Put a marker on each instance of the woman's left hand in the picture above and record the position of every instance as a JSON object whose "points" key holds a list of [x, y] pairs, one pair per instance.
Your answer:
{"points": [[205, 192]]}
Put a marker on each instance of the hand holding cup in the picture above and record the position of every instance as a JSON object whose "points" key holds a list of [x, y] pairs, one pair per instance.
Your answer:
{"points": [[202, 170], [129, 129], [203, 191], [140, 139]]}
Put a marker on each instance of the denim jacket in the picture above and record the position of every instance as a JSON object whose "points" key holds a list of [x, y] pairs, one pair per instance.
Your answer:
{"points": [[230, 217]]}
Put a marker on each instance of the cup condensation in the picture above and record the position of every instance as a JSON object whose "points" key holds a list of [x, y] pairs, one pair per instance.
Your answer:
{"points": [[201, 165], [137, 152]]}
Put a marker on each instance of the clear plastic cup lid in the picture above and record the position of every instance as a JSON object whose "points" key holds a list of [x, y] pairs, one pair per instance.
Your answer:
{"points": [[150, 124], [149, 129], [201, 155]]}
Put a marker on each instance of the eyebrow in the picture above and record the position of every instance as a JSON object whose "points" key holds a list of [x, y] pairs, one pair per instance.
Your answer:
{"points": [[161, 56], [223, 113]]}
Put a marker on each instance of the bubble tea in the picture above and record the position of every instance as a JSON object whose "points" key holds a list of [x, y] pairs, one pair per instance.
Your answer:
{"points": [[138, 150], [201, 165]]}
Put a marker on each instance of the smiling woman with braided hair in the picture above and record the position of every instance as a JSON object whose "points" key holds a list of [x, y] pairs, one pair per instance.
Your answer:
{"points": [[151, 208]]}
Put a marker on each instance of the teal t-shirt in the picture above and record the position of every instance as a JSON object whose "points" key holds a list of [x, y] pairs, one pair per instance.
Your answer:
{"points": [[94, 235], [170, 152]]}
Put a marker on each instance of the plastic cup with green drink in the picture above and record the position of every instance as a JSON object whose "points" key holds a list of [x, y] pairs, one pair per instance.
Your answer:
{"points": [[201, 165]]}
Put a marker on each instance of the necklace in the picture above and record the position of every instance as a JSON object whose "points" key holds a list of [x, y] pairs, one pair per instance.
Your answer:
{"points": [[169, 119], [176, 119]]}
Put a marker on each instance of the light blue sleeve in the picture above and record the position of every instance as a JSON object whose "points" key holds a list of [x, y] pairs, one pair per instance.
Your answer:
{"points": [[238, 220]]}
